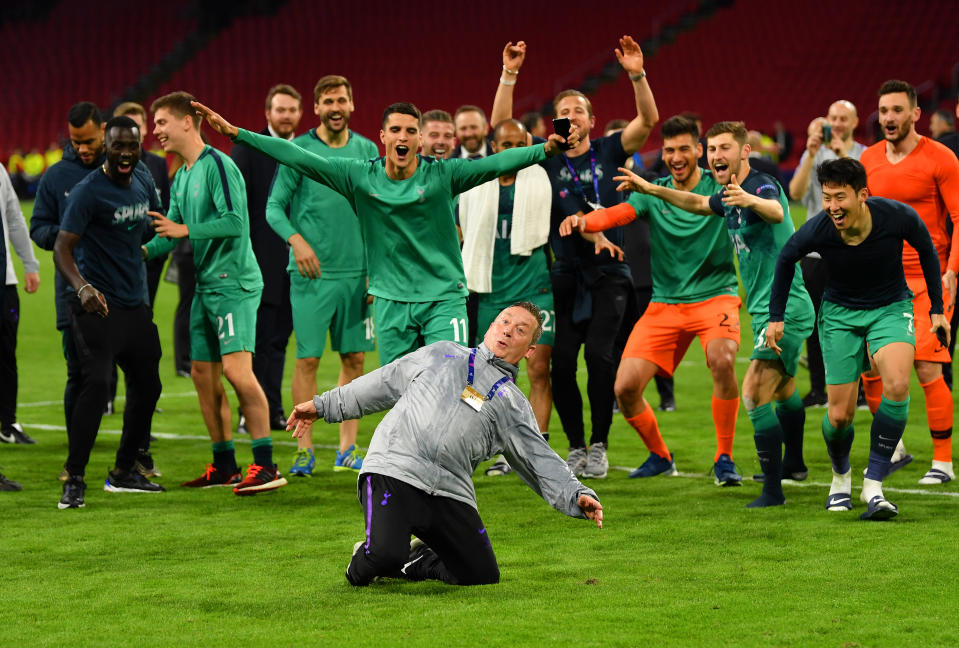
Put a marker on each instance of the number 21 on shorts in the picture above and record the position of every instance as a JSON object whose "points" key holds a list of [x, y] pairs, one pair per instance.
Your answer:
{"points": [[228, 321]]}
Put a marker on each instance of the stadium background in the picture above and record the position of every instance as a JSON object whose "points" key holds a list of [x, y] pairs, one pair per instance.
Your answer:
{"points": [[754, 60], [678, 563]]}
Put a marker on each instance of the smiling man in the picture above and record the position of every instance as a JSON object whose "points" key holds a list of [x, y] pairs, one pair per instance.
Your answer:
{"points": [[439, 138], [866, 312], [327, 274], [450, 409], [404, 203], [756, 213], [694, 295], [111, 320], [208, 206], [923, 174]]}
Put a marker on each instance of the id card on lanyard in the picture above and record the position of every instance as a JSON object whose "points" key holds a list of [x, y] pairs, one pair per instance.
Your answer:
{"points": [[472, 397], [579, 188]]}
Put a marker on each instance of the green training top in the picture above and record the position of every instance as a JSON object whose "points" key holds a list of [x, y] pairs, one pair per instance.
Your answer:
{"points": [[320, 215], [691, 257], [210, 199], [515, 277], [412, 247], [758, 244]]}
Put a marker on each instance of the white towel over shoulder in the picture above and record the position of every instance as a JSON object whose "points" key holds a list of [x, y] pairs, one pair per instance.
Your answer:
{"points": [[478, 213]]}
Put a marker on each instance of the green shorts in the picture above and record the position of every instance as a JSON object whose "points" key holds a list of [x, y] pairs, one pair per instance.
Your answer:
{"points": [[335, 305], [402, 327], [223, 322], [489, 307], [800, 316], [845, 332]]}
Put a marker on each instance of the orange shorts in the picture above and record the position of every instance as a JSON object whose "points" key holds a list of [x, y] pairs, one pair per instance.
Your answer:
{"points": [[928, 347], [664, 332]]}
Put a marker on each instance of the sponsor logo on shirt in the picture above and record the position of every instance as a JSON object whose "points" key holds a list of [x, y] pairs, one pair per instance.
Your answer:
{"points": [[130, 213], [765, 187]]}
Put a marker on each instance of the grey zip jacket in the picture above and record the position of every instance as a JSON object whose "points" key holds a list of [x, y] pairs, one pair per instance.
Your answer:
{"points": [[432, 440]]}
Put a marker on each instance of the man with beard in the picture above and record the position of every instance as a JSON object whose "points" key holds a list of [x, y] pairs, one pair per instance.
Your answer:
{"points": [[405, 206], [756, 213], [112, 321], [439, 138], [327, 274], [840, 124], [471, 130], [274, 322], [591, 288], [81, 155], [694, 295], [866, 315], [924, 174]]}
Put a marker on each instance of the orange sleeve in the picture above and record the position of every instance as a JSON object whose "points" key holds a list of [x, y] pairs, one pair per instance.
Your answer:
{"points": [[604, 219], [947, 178]]}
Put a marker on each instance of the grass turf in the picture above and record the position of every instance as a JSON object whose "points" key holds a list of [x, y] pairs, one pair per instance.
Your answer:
{"points": [[679, 562]]}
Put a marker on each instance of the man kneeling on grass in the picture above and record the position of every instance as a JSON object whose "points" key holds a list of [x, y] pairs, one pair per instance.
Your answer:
{"points": [[452, 409]]}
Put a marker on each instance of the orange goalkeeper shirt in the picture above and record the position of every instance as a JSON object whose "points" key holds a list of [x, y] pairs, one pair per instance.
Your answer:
{"points": [[928, 181]]}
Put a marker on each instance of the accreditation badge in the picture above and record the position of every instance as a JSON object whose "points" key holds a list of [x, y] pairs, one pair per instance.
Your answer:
{"points": [[472, 397]]}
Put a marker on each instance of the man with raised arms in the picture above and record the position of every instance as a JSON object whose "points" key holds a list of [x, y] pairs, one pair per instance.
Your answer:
{"points": [[867, 312], [405, 206], [591, 288], [756, 212]]}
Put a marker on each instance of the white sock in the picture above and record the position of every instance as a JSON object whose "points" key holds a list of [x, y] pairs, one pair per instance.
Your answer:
{"points": [[870, 488], [841, 483], [899, 453]]}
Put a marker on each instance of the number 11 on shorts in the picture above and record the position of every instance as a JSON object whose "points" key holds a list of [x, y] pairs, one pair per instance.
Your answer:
{"points": [[459, 329]]}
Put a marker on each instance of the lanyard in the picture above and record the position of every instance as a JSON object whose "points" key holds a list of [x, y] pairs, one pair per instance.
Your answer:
{"points": [[579, 187], [469, 377]]}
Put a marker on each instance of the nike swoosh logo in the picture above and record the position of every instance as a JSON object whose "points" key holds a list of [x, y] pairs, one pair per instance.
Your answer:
{"points": [[7, 438], [410, 564], [840, 500]]}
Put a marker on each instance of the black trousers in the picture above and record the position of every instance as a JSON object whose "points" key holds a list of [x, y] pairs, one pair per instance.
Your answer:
{"points": [[129, 338], [610, 296], [9, 321], [459, 548], [274, 326], [814, 275]]}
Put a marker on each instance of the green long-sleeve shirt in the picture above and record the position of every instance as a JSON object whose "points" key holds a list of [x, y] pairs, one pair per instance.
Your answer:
{"points": [[323, 217], [210, 199], [412, 248]]}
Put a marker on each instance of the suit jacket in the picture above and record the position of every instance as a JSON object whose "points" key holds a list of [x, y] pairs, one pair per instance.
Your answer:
{"points": [[272, 252]]}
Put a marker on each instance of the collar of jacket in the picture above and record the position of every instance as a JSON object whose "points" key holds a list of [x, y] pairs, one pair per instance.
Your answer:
{"points": [[484, 353]]}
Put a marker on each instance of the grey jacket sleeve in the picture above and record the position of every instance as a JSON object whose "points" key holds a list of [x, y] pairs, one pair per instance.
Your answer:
{"points": [[373, 392], [19, 235], [536, 463]]}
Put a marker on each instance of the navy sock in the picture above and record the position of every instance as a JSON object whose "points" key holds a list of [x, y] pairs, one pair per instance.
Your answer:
{"points": [[838, 445], [263, 452], [768, 436], [792, 419], [887, 427], [224, 457]]}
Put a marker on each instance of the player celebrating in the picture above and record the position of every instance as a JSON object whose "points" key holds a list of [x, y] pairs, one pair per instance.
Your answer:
{"points": [[404, 203], [694, 294], [112, 321], [866, 302], [450, 408], [208, 205], [327, 273], [924, 174], [756, 211]]}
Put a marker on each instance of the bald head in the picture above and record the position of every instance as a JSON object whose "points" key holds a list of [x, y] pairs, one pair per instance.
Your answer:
{"points": [[843, 118]]}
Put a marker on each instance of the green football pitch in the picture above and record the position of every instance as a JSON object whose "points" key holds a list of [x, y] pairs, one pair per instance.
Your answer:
{"points": [[679, 561]]}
